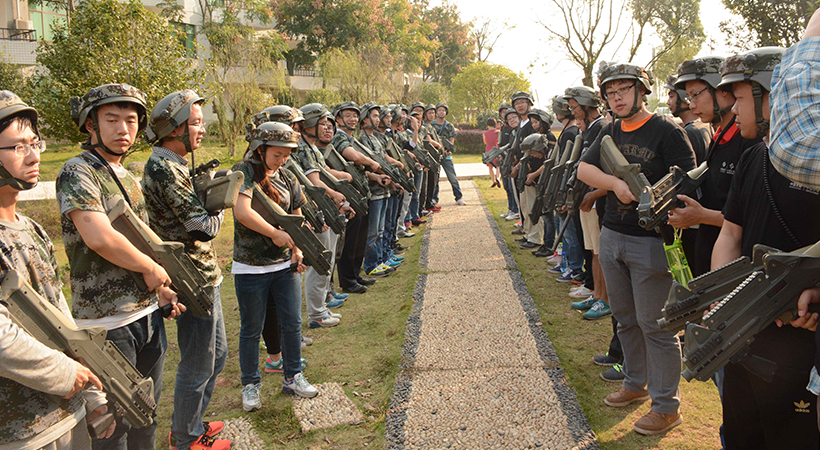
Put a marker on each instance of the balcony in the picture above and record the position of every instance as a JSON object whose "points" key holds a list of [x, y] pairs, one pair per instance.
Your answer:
{"points": [[304, 71], [11, 34]]}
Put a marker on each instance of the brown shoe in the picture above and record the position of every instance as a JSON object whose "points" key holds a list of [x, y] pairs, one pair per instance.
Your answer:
{"points": [[657, 423], [624, 396]]}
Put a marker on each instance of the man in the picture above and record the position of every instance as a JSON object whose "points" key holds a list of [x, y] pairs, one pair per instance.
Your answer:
{"points": [[633, 259], [532, 165], [176, 212], [102, 260], [764, 207], [429, 117], [700, 133], [447, 132], [402, 136], [34, 378]]}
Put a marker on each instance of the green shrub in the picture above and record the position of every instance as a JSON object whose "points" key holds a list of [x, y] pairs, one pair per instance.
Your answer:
{"points": [[324, 96], [469, 142]]}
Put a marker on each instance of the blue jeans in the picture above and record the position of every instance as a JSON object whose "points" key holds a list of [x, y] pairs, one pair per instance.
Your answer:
{"points": [[143, 343], [257, 294], [389, 234], [512, 205], [413, 212], [450, 171], [373, 250], [573, 247], [203, 350]]}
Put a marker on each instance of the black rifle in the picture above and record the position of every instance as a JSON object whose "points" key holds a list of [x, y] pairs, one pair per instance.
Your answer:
{"points": [[556, 175], [490, 156], [448, 146], [216, 190], [509, 161], [314, 252], [569, 174], [330, 213], [337, 162], [389, 169], [427, 156], [538, 208], [614, 163], [521, 178], [353, 197], [656, 202], [578, 189], [729, 328]]}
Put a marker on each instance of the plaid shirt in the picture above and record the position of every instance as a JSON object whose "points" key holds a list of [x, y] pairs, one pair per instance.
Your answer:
{"points": [[814, 382], [795, 114]]}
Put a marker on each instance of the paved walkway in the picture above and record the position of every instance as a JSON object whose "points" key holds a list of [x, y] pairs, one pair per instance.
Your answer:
{"points": [[479, 370]]}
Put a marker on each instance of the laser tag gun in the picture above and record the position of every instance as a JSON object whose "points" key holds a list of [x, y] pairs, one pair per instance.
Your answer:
{"points": [[521, 178], [655, 202], [399, 155], [426, 156], [541, 185], [314, 252], [335, 161], [352, 196], [614, 163], [578, 189], [568, 173], [187, 281], [688, 303], [490, 156], [389, 169], [330, 213], [123, 384], [557, 173], [729, 328], [216, 190], [412, 164], [508, 162], [313, 216], [448, 146]]}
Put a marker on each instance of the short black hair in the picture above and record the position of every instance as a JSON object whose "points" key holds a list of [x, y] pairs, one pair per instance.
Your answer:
{"points": [[22, 119], [490, 122]]}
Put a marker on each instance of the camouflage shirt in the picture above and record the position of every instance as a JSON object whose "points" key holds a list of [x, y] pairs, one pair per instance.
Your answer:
{"points": [[31, 374], [307, 157], [341, 141], [172, 205], [250, 247], [377, 191], [445, 130], [98, 287]]}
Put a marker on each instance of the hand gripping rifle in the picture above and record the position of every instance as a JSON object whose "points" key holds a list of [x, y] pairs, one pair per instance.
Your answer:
{"points": [[427, 156], [400, 155], [389, 169], [490, 156], [330, 213], [353, 197], [189, 284], [730, 327], [216, 190], [539, 203], [568, 175], [614, 163], [656, 202], [123, 384], [556, 174], [315, 253], [336, 162]]}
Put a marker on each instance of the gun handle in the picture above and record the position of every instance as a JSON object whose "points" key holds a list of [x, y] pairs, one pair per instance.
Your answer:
{"points": [[97, 427]]}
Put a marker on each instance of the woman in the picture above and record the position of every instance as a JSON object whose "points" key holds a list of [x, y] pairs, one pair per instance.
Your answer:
{"points": [[266, 263], [490, 138]]}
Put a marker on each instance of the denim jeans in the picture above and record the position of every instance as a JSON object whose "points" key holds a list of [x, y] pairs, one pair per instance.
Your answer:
{"points": [[389, 234], [256, 294], [373, 251], [450, 171], [573, 247], [203, 349], [512, 204], [143, 343], [413, 212]]}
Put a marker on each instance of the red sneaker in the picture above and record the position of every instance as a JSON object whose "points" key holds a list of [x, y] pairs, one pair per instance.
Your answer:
{"points": [[213, 428], [408, 225], [203, 443], [435, 209]]}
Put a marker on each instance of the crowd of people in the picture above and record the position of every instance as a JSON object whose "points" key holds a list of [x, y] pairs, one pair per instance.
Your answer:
{"points": [[751, 118]]}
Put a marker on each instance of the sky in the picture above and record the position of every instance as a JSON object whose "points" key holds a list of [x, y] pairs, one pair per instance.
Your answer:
{"points": [[525, 48]]}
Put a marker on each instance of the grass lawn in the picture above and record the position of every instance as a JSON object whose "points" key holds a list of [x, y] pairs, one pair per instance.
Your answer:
{"points": [[577, 341]]}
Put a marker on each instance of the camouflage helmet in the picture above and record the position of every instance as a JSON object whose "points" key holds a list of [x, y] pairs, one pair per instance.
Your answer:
{"points": [[584, 95], [511, 111], [560, 106], [279, 113], [755, 65], [519, 95], [429, 107], [670, 85], [503, 106], [274, 134], [364, 110], [171, 112], [443, 105], [624, 71], [681, 98], [385, 110], [404, 108], [544, 116], [352, 106], [417, 105], [82, 107], [313, 113], [535, 142], [12, 105], [397, 109], [704, 69]]}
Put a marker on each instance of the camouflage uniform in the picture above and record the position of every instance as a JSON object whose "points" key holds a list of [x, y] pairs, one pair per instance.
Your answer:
{"points": [[377, 191], [308, 157]]}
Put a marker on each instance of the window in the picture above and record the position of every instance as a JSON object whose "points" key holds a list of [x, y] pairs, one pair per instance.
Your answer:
{"points": [[187, 37], [43, 16]]}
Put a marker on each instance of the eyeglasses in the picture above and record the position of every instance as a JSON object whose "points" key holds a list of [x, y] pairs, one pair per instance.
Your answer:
{"points": [[694, 97], [24, 150], [620, 92]]}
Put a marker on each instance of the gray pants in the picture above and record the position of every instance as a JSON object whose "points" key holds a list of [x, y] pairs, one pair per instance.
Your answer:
{"points": [[638, 282], [316, 285], [405, 206]]}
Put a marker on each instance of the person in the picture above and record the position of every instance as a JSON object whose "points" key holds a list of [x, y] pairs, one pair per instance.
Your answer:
{"points": [[44, 402], [401, 136], [633, 259], [428, 117], [447, 132], [176, 129], [102, 261], [505, 138], [490, 139], [700, 133], [533, 166], [267, 263], [764, 207]]}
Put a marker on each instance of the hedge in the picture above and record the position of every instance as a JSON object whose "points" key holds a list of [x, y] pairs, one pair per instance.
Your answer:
{"points": [[470, 142]]}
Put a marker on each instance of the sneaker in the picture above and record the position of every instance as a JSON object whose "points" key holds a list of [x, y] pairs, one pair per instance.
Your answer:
{"points": [[513, 216], [624, 397], [306, 341], [518, 232], [555, 259], [566, 277], [579, 277], [460, 202], [614, 374], [605, 360], [323, 322], [528, 244], [580, 292], [338, 296], [391, 262], [425, 212], [250, 397], [335, 303], [277, 367], [435, 209], [213, 428], [542, 252], [397, 257], [204, 442], [298, 385], [408, 225], [405, 234], [387, 268], [554, 270], [379, 271], [657, 423], [598, 311], [355, 289], [335, 315], [504, 215], [417, 222], [583, 305], [522, 240]]}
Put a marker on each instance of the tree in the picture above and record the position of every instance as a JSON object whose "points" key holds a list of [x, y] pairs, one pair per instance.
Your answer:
{"points": [[454, 47], [767, 22], [485, 38], [11, 79], [482, 87], [362, 75], [107, 42], [675, 22]]}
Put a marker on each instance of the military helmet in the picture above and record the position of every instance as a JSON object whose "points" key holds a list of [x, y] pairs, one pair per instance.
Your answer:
{"points": [[279, 113], [560, 106], [385, 110], [511, 111], [81, 107], [519, 95], [755, 65], [397, 109], [704, 69], [503, 106], [443, 105], [313, 113], [352, 106], [584, 95], [404, 108], [623, 71], [275, 134], [11, 104], [543, 116], [417, 105], [429, 107], [169, 113], [365, 109], [671, 80], [535, 142]]}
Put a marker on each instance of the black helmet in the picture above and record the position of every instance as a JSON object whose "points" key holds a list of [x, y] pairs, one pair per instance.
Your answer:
{"points": [[755, 66], [503, 106], [707, 70], [624, 71]]}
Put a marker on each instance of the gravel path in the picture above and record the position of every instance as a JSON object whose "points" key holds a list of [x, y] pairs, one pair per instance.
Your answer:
{"points": [[479, 371]]}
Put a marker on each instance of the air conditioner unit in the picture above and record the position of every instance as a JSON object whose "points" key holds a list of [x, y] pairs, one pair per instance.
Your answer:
{"points": [[20, 24]]}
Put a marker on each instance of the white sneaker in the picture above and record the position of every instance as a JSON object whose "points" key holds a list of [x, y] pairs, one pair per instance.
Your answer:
{"points": [[504, 215], [513, 216], [335, 315], [583, 292], [298, 385], [251, 399], [554, 259], [460, 202]]}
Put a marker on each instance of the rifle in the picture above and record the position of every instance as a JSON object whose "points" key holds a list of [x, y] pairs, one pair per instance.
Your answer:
{"points": [[521, 178], [569, 173], [614, 163], [314, 216], [389, 169], [490, 156], [508, 162], [216, 190], [656, 202], [353, 197], [124, 385], [191, 287], [333, 218], [575, 196], [315, 253], [556, 175], [427, 156], [400, 155], [729, 329], [448, 146], [336, 162], [541, 185]]}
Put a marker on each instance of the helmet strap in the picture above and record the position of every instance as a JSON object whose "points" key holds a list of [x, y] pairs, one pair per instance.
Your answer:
{"points": [[95, 125], [762, 124], [6, 179], [719, 112]]}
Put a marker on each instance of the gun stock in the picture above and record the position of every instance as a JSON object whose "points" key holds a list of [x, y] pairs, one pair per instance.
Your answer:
{"points": [[353, 197], [388, 168], [191, 287], [333, 218], [541, 186], [216, 190], [655, 203], [122, 382], [427, 156], [568, 173], [557, 174], [521, 178], [315, 253], [614, 163], [335, 161], [490, 156]]}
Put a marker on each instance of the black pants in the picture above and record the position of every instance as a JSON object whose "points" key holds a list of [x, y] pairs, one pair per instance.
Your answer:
{"points": [[350, 262], [615, 349], [432, 180]]}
